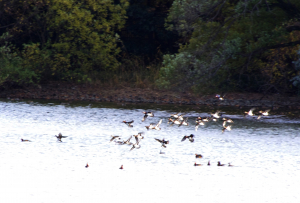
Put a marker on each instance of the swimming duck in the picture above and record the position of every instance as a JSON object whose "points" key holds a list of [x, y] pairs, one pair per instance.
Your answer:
{"points": [[230, 165], [59, 137], [208, 163], [190, 137], [155, 127], [129, 123], [146, 114], [195, 164], [114, 137], [198, 156], [121, 167], [219, 164], [161, 152], [22, 140], [250, 112], [87, 165]]}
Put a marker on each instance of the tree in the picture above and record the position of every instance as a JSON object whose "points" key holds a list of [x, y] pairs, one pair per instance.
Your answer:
{"points": [[64, 39], [229, 45]]}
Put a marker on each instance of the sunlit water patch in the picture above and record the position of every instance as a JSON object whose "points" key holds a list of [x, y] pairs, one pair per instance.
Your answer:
{"points": [[265, 155]]}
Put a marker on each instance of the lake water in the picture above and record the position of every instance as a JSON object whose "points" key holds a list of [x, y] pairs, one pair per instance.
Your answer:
{"points": [[265, 155]]}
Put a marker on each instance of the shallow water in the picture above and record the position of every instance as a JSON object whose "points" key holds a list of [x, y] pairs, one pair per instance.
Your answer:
{"points": [[265, 155]]}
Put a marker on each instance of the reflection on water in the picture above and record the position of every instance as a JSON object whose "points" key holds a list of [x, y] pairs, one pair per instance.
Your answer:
{"points": [[265, 155]]}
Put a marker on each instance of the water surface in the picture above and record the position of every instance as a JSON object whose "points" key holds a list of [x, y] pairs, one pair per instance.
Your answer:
{"points": [[265, 155]]}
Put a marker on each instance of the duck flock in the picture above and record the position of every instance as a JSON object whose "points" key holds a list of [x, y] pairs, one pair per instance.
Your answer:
{"points": [[174, 119]]}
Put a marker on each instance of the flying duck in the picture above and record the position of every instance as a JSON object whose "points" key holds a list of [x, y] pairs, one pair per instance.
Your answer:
{"points": [[135, 146], [146, 114], [114, 137], [221, 97], [264, 113], [129, 123], [190, 137], [218, 114], [180, 117], [226, 127], [128, 141], [156, 127], [228, 120], [59, 137], [198, 123], [163, 142], [184, 122], [176, 121], [250, 112], [138, 137]]}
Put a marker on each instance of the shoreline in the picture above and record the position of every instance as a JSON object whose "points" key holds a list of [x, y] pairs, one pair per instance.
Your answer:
{"points": [[98, 93]]}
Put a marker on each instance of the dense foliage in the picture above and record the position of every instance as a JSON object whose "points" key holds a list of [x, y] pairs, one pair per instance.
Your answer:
{"points": [[202, 45], [61, 39], [233, 45]]}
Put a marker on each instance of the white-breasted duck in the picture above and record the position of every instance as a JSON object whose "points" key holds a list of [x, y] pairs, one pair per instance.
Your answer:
{"points": [[228, 120], [146, 114], [176, 121], [221, 96], [60, 136], [135, 146], [184, 122], [129, 123], [226, 127], [264, 113], [139, 136], [218, 114], [177, 116], [153, 126], [198, 123], [125, 141], [250, 112], [190, 137]]}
